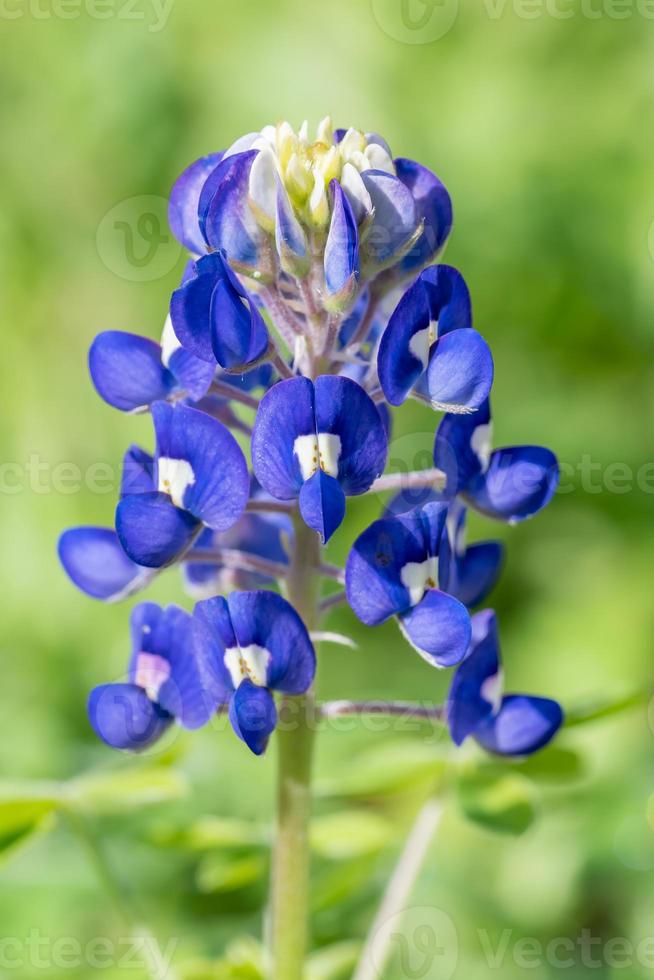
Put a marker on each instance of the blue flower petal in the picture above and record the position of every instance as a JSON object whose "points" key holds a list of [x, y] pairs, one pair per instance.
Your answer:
{"points": [[217, 478], [127, 371], [341, 252], [322, 504], [266, 620], [190, 693], [373, 572], [523, 726], [239, 335], [454, 449], [438, 628], [460, 371], [123, 716], [438, 301], [185, 200], [433, 207], [519, 482], [229, 224], [344, 409], [253, 715], [193, 375], [137, 474], [214, 632], [394, 218], [94, 560], [152, 531], [190, 308], [476, 688], [285, 412], [290, 239]]}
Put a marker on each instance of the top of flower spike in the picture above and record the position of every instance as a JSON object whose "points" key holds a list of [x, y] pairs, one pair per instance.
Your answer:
{"points": [[306, 166]]}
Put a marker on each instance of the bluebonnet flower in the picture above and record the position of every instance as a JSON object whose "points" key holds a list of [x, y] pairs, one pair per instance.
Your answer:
{"points": [[169, 678], [514, 724], [198, 478], [320, 442], [394, 570], [429, 339], [469, 572], [216, 319], [256, 644], [508, 484]]}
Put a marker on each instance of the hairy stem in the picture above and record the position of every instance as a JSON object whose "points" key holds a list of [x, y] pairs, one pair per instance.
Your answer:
{"points": [[377, 949], [414, 480], [226, 390], [390, 709], [290, 873], [231, 558]]}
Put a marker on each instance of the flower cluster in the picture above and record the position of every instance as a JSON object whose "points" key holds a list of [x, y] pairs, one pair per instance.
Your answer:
{"points": [[312, 303]]}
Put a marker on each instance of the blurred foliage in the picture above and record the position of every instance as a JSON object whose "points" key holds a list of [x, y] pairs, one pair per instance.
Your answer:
{"points": [[538, 126]]}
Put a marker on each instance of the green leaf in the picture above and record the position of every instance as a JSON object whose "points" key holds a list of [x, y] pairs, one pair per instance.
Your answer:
{"points": [[497, 799], [387, 768], [595, 711], [350, 834], [335, 962], [219, 832], [219, 873], [120, 790], [553, 764]]}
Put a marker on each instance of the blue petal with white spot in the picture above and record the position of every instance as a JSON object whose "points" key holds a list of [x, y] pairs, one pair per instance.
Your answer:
{"points": [[330, 425]]}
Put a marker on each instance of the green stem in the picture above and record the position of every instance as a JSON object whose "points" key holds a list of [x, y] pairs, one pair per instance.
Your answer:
{"points": [[295, 733]]}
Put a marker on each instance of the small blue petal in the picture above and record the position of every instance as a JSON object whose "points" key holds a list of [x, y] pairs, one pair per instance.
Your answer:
{"points": [[239, 335], [137, 473], [229, 224], [190, 308], [285, 412], [453, 450], [127, 371], [290, 239], [523, 726], [94, 560], [448, 297], [341, 249], [152, 531], [184, 202], [253, 715], [344, 409], [123, 716], [460, 371], [394, 217], [373, 580], [267, 620], [433, 207], [193, 375], [476, 572], [469, 701], [322, 504], [439, 628], [519, 482], [219, 482], [214, 632]]}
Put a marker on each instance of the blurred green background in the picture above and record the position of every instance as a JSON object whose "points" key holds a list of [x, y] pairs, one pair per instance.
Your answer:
{"points": [[540, 126]]}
